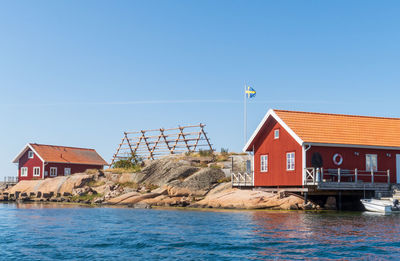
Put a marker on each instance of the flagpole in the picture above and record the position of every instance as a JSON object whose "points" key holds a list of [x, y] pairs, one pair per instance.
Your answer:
{"points": [[245, 116]]}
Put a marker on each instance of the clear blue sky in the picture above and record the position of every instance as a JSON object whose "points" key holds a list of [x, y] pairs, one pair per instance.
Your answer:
{"points": [[79, 73]]}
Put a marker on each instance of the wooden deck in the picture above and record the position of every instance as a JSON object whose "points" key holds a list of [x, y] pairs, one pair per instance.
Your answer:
{"points": [[8, 182], [342, 179], [329, 180], [350, 186]]}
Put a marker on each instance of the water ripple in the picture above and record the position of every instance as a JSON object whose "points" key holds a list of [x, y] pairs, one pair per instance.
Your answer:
{"points": [[49, 232]]}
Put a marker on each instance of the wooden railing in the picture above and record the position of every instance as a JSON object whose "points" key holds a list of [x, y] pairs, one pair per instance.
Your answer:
{"points": [[318, 175], [10, 180], [242, 179]]}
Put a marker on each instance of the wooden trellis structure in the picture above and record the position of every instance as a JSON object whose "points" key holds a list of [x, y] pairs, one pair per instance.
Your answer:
{"points": [[151, 144]]}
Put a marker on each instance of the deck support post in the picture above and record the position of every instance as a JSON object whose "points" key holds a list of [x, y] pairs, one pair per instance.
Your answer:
{"points": [[372, 176], [305, 197], [388, 176], [340, 200], [355, 175]]}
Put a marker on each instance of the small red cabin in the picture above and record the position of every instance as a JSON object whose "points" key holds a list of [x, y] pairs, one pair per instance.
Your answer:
{"points": [[37, 161], [294, 149]]}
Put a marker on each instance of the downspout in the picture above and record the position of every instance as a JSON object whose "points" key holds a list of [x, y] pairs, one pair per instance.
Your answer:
{"points": [[253, 166], [44, 166], [305, 149]]}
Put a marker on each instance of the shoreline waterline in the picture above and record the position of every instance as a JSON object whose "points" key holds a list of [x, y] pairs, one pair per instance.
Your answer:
{"points": [[193, 209]]}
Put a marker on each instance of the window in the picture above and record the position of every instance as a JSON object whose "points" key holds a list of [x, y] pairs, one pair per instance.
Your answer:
{"points": [[290, 161], [371, 162], [53, 172], [264, 163], [276, 134], [30, 154], [67, 171], [36, 171], [24, 172]]}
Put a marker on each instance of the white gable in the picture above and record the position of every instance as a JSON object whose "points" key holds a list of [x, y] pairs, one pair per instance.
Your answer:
{"points": [[271, 113]]}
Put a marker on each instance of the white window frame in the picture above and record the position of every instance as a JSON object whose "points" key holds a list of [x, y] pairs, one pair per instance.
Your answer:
{"points": [[38, 172], [290, 161], [65, 171], [24, 172], [31, 155], [264, 163], [276, 134], [51, 172], [368, 157]]}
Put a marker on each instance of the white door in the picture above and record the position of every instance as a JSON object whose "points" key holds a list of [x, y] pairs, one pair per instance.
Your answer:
{"points": [[397, 168]]}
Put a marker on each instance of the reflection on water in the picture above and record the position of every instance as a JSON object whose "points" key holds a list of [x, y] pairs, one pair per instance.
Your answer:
{"points": [[70, 232], [328, 235]]}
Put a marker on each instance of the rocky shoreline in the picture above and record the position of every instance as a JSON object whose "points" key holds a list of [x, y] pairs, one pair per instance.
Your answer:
{"points": [[174, 181]]}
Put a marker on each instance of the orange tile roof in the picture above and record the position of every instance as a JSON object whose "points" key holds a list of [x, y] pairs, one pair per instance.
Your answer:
{"points": [[63, 154], [343, 129]]}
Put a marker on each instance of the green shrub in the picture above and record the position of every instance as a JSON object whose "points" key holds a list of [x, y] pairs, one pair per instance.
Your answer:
{"points": [[129, 163], [205, 153], [224, 151]]}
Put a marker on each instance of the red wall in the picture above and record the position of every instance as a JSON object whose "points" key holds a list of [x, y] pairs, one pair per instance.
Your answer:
{"points": [[352, 161], [24, 161], [75, 168], [276, 150]]}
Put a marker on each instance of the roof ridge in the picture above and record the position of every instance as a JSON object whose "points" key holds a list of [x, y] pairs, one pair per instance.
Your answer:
{"points": [[338, 114], [68, 147]]}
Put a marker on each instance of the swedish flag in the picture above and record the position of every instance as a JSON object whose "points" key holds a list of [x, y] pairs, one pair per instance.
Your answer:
{"points": [[250, 92]]}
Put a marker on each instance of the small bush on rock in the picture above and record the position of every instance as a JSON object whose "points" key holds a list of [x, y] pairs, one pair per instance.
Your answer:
{"points": [[205, 153], [132, 163], [224, 180]]}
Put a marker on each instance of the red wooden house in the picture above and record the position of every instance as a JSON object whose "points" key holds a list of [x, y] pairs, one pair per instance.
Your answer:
{"points": [[37, 161], [327, 151]]}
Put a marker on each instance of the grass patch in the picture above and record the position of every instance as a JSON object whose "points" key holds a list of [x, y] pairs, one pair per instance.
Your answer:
{"points": [[86, 197], [222, 157], [92, 171], [134, 169], [151, 186], [96, 183], [224, 180], [215, 166], [200, 153], [129, 184], [200, 165], [206, 153]]}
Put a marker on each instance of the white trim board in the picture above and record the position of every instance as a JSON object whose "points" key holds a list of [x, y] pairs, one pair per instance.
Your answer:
{"points": [[76, 163], [351, 146], [272, 113], [25, 149]]}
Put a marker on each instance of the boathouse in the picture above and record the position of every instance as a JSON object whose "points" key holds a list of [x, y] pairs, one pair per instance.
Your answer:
{"points": [[38, 161], [321, 151]]}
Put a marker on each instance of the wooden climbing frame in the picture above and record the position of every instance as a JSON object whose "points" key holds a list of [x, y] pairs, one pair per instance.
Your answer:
{"points": [[152, 144]]}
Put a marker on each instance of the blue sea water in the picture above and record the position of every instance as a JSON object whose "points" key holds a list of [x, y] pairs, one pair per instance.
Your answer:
{"points": [[55, 232]]}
